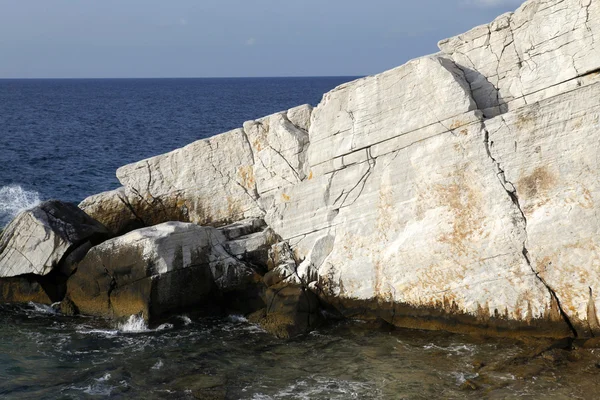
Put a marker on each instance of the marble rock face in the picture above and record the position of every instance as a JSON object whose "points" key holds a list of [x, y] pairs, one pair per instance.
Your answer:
{"points": [[37, 240], [461, 186], [543, 49], [115, 210], [154, 270]]}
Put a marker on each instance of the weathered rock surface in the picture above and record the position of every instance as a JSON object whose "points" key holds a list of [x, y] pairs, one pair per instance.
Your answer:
{"points": [[115, 210], [37, 240], [543, 49], [23, 290], [458, 191], [549, 157], [209, 182], [155, 270], [291, 310]]}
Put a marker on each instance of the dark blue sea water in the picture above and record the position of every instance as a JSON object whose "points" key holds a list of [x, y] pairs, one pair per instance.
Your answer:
{"points": [[64, 139]]}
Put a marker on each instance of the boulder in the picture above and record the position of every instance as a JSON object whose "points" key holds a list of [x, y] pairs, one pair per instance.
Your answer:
{"points": [[23, 289], [37, 240], [208, 182], [155, 270], [115, 210], [214, 182]]}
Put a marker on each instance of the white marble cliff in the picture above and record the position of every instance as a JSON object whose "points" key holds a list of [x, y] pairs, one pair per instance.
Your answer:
{"points": [[459, 191]]}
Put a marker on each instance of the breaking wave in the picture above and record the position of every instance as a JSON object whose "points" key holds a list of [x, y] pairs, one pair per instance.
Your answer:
{"points": [[13, 200], [134, 324]]}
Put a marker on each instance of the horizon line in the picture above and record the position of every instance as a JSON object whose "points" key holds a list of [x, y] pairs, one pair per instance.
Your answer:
{"points": [[187, 77]]}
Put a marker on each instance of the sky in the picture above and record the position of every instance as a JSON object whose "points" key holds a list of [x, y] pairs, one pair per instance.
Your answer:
{"points": [[227, 38]]}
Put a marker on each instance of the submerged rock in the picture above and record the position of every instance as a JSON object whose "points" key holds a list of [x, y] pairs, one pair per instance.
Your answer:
{"points": [[37, 240], [291, 310]]}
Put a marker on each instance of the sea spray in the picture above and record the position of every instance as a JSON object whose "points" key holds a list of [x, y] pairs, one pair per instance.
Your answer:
{"points": [[13, 200], [134, 324]]}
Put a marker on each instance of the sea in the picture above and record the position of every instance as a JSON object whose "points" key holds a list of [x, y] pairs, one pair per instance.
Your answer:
{"points": [[64, 139]]}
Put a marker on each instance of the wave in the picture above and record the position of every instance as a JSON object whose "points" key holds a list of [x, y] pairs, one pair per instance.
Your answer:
{"points": [[134, 324], [13, 200]]}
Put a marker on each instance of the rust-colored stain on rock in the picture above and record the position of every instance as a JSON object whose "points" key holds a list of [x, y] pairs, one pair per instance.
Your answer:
{"points": [[246, 175], [538, 183]]}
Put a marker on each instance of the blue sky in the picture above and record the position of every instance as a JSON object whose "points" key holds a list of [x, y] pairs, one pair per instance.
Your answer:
{"points": [[216, 38]]}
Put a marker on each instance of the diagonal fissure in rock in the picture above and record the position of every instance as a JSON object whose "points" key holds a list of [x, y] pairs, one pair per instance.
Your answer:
{"points": [[511, 190]]}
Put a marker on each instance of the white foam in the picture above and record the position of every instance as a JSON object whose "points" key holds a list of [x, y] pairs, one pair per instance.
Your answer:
{"points": [[186, 320], [104, 378], [14, 199], [158, 364], [321, 387], [462, 377], [456, 350], [162, 327], [101, 332], [42, 308], [236, 318], [134, 324]]}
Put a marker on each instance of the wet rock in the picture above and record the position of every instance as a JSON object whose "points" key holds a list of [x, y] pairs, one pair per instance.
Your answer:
{"points": [[155, 270], [277, 275], [478, 364], [291, 310], [67, 307], [37, 240], [592, 343], [468, 385], [23, 289]]}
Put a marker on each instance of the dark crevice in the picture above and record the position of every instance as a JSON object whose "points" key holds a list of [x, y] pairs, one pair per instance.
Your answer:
{"points": [[128, 205], [553, 294], [511, 191]]}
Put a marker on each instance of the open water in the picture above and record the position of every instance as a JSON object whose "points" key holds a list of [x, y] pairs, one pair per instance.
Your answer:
{"points": [[65, 138]]}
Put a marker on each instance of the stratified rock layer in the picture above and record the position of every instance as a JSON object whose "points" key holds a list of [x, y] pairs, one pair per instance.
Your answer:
{"points": [[155, 270], [458, 191], [37, 240], [543, 49]]}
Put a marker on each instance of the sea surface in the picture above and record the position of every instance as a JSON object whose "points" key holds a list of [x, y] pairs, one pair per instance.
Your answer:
{"points": [[64, 139]]}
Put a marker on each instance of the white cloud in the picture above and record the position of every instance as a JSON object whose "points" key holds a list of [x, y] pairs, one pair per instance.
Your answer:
{"points": [[251, 41], [491, 3]]}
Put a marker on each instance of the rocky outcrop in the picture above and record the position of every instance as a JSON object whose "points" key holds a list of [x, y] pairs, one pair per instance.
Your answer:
{"points": [[214, 181], [152, 271], [543, 49], [37, 240], [209, 182], [23, 289], [115, 210], [457, 191], [441, 190]]}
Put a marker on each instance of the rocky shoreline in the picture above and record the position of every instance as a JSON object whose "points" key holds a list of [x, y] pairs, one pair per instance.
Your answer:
{"points": [[456, 192]]}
